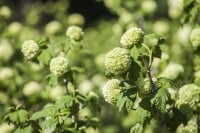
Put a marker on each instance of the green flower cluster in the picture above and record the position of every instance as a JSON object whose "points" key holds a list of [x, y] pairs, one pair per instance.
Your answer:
{"points": [[195, 37], [111, 90], [133, 36], [189, 95], [30, 49], [59, 65], [117, 61], [191, 127], [75, 33]]}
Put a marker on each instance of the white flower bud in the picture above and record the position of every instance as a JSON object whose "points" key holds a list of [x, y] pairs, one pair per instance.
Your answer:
{"points": [[6, 50], [195, 37], [57, 92], [117, 61], [75, 33], [14, 28], [5, 12], [172, 71], [59, 65], [53, 27], [111, 90], [76, 19], [30, 49], [6, 73], [133, 36], [32, 88]]}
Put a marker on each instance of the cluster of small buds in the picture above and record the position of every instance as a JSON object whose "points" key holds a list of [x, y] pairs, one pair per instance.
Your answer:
{"points": [[195, 37], [110, 91], [32, 88], [30, 49], [133, 36], [189, 95], [191, 127], [117, 61], [59, 65], [75, 33], [147, 88]]}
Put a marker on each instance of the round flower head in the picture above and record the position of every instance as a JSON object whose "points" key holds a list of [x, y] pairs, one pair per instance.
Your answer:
{"points": [[148, 6], [189, 95], [146, 89], [53, 27], [191, 127], [75, 33], [111, 90], [6, 73], [6, 50], [133, 36], [117, 61], [14, 28], [5, 12], [59, 65], [195, 37], [30, 49], [32, 88], [76, 19]]}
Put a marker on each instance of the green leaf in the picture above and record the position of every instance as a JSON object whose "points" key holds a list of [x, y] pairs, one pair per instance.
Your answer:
{"points": [[65, 101], [52, 79], [138, 128], [47, 111], [78, 70], [48, 125], [27, 129], [18, 117], [44, 57], [43, 42]]}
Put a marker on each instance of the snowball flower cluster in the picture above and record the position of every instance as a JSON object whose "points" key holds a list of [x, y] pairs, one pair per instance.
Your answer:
{"points": [[191, 127], [195, 37], [14, 28], [75, 33], [59, 65], [5, 12], [189, 95], [172, 71], [133, 36], [31, 88], [30, 49], [6, 50], [110, 90], [117, 61]]}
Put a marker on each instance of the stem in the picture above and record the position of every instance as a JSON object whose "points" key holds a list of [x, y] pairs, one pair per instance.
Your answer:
{"points": [[148, 69], [65, 84]]}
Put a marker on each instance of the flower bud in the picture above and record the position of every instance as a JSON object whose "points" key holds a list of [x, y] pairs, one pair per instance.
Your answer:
{"points": [[147, 88], [189, 94], [6, 73], [31, 88], [133, 36], [14, 28], [195, 37], [53, 27], [117, 61], [75, 33], [59, 65], [6, 50], [30, 49], [5, 12], [148, 6], [76, 19], [110, 91]]}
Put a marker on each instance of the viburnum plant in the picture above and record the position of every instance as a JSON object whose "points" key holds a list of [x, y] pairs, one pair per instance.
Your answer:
{"points": [[132, 87]]}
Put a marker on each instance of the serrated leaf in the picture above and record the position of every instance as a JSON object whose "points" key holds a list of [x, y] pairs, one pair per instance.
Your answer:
{"points": [[43, 41], [65, 101], [47, 111], [19, 116], [160, 99], [52, 79], [27, 129], [48, 125], [44, 57]]}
